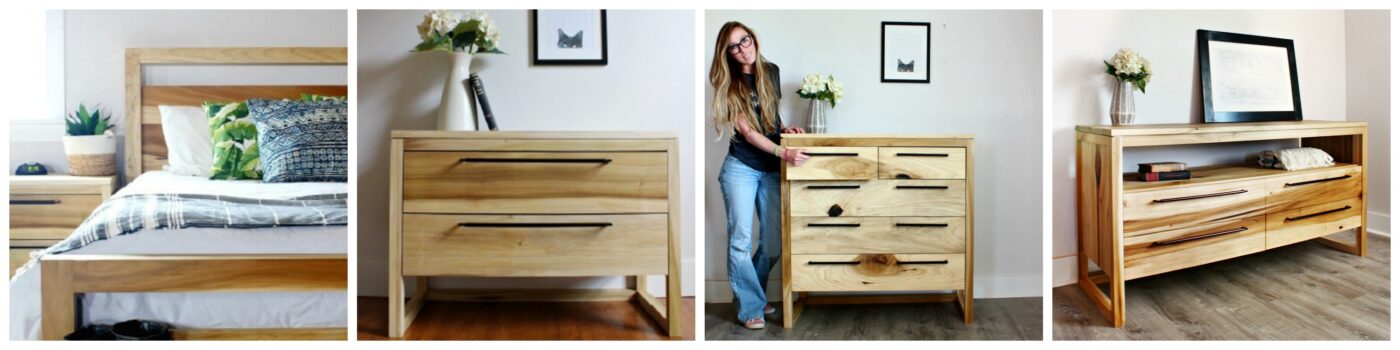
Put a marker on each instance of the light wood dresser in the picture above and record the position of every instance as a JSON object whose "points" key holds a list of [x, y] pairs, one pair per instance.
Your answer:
{"points": [[45, 209], [879, 213], [1130, 229], [534, 204]]}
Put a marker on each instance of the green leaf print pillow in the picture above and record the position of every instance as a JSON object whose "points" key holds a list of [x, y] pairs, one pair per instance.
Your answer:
{"points": [[235, 141]]}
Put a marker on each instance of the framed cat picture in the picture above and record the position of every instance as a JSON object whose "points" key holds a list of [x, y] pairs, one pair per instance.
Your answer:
{"points": [[570, 37], [904, 52]]}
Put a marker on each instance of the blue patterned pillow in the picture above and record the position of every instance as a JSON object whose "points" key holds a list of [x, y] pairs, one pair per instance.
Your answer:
{"points": [[302, 140]]}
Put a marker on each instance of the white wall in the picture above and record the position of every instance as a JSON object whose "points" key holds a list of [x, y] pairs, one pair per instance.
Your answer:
{"points": [[648, 85], [1083, 39], [985, 80], [95, 43], [1368, 100]]}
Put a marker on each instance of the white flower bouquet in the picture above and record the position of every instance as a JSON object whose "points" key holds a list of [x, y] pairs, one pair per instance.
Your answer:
{"points": [[1127, 65], [444, 30], [823, 88]]}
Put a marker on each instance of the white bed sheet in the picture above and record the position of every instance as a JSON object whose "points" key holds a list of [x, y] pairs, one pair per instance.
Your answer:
{"points": [[204, 310]]}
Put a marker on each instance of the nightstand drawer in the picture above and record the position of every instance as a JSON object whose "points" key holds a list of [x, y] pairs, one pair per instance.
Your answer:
{"points": [[1314, 188], [1297, 225], [878, 235], [923, 163], [878, 272], [534, 182], [836, 163], [49, 216], [879, 198], [534, 245], [1150, 254], [1186, 206]]}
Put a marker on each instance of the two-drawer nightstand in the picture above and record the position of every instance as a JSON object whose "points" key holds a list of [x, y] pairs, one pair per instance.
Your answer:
{"points": [[46, 209]]}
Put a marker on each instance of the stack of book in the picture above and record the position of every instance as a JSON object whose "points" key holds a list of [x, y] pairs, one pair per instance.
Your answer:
{"points": [[1163, 171]]}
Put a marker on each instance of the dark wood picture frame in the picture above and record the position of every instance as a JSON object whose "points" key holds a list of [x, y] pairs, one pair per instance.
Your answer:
{"points": [[535, 41], [928, 40], [1203, 39]]}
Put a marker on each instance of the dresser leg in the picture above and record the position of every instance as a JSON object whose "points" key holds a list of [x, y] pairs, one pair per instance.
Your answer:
{"points": [[965, 301], [396, 303], [673, 305], [788, 316]]}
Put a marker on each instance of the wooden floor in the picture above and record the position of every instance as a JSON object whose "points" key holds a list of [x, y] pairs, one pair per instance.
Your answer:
{"points": [[996, 319], [1303, 291], [618, 320]]}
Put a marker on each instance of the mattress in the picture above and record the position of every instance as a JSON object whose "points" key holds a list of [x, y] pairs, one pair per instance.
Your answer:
{"points": [[204, 310]]}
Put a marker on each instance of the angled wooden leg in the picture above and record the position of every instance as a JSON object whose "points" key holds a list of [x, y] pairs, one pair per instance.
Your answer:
{"points": [[415, 303], [653, 308], [58, 314]]}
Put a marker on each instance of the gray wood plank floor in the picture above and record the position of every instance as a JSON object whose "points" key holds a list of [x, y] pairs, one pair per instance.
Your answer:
{"points": [[996, 319], [1305, 291]]}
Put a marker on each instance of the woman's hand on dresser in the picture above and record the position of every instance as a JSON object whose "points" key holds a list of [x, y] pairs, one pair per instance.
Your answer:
{"points": [[796, 156], [794, 130]]}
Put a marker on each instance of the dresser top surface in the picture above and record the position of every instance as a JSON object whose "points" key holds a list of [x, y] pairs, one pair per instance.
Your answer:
{"points": [[878, 136], [534, 135], [1201, 128], [60, 179]]}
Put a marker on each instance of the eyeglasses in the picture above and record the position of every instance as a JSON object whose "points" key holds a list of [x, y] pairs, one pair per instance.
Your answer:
{"points": [[746, 42]]}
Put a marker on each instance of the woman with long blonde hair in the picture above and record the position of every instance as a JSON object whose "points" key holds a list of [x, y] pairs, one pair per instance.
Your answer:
{"points": [[746, 93]]}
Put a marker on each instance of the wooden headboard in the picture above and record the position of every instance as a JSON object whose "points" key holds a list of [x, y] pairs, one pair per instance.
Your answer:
{"points": [[145, 142]]}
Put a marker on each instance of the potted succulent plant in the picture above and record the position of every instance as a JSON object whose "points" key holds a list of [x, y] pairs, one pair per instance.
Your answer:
{"points": [[90, 143]]}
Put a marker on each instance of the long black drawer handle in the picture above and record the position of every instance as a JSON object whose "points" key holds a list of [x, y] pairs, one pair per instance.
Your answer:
{"points": [[833, 187], [1343, 177], [536, 160], [34, 201], [535, 224], [1199, 196], [1192, 238], [858, 263], [919, 225], [921, 187], [1317, 214], [829, 154], [920, 154], [832, 225]]}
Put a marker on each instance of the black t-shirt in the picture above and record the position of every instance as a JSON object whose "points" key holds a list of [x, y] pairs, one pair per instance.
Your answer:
{"points": [[740, 149]]}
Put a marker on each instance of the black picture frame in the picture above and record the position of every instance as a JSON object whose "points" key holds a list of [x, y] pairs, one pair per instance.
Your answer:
{"points": [[1210, 105], [928, 39], [535, 42]]}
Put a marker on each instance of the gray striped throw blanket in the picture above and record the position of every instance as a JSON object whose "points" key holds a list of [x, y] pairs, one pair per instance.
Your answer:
{"points": [[130, 214]]}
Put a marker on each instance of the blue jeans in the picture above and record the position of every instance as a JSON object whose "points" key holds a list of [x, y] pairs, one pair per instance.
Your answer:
{"points": [[747, 191]]}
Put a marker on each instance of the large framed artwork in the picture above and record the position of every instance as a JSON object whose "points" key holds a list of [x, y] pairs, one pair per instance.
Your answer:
{"points": [[904, 52], [1247, 78], [570, 37]]}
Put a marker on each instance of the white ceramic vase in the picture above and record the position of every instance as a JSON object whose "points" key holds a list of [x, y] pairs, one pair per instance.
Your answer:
{"points": [[816, 122], [458, 109]]}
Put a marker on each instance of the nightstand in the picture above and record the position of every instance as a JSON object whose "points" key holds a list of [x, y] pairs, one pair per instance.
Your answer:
{"points": [[46, 209]]}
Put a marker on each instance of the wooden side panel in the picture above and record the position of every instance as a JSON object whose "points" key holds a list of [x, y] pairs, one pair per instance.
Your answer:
{"points": [[878, 272], [880, 198], [878, 235], [836, 163], [504, 245], [941, 163], [535, 182], [1297, 225]]}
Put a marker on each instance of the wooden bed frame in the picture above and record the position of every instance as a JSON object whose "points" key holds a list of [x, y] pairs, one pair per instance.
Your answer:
{"points": [[65, 276]]}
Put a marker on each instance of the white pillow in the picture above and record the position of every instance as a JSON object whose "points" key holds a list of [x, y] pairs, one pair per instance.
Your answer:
{"points": [[189, 147]]}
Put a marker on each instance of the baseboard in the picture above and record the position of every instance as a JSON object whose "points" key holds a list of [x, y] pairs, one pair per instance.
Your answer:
{"points": [[717, 291], [1378, 223], [372, 286]]}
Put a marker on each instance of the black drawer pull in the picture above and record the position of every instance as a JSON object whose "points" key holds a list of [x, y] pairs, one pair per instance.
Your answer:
{"points": [[34, 201], [1317, 213], [917, 262], [829, 154], [833, 187], [921, 187], [833, 263], [1192, 238], [920, 154], [1343, 177], [919, 225], [1199, 196], [939, 262], [832, 225], [535, 224], [536, 160]]}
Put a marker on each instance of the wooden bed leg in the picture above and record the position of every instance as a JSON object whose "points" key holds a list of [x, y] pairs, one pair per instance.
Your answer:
{"points": [[58, 315]]}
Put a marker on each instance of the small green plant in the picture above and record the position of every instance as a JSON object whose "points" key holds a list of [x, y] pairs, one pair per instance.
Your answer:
{"points": [[82, 123]]}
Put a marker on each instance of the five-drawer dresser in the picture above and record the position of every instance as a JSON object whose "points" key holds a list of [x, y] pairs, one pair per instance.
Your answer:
{"points": [[534, 204], [878, 213]]}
